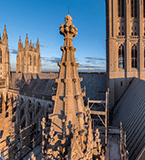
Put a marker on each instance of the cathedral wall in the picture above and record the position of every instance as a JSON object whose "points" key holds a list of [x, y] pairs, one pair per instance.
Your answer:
{"points": [[125, 45]]}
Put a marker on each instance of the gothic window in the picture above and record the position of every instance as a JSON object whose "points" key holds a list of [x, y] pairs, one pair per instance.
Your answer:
{"points": [[14, 119], [121, 57], [34, 60], [134, 56], [30, 60], [120, 8], [121, 31], [133, 8], [0, 55], [1, 133], [134, 31], [7, 114]]}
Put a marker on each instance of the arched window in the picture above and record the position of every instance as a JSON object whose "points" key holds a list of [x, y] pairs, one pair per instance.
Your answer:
{"points": [[34, 60], [30, 60], [0, 55], [134, 56], [133, 8], [120, 8], [121, 57]]}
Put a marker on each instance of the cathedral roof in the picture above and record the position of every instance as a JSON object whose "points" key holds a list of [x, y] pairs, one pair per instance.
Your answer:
{"points": [[130, 110], [34, 84]]}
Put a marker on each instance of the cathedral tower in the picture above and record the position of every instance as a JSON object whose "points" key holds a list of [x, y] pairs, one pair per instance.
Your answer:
{"points": [[125, 44], [4, 60], [28, 57]]}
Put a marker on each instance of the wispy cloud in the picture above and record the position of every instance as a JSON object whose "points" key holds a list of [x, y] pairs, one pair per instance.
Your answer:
{"points": [[85, 66], [40, 44], [51, 59], [45, 59], [13, 51], [55, 60], [92, 59]]}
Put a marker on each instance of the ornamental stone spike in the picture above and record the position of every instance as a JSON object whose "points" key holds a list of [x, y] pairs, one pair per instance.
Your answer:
{"points": [[69, 109], [26, 42], [5, 36], [70, 90]]}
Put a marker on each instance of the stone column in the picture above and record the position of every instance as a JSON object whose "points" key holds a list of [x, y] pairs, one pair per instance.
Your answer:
{"points": [[141, 46], [127, 50]]}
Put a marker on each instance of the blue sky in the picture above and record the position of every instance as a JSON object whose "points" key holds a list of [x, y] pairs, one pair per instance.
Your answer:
{"points": [[42, 18]]}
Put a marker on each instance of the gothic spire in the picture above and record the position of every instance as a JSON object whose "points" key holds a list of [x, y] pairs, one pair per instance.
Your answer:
{"points": [[26, 42], [19, 40], [37, 45], [19, 44], [69, 113], [5, 36], [30, 44]]}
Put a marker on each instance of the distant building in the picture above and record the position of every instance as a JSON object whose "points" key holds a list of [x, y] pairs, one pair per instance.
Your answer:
{"points": [[28, 57]]}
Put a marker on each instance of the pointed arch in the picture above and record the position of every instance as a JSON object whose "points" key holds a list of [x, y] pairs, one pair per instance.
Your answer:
{"points": [[134, 56], [134, 8], [0, 55], [120, 8], [121, 56], [34, 60], [30, 58]]}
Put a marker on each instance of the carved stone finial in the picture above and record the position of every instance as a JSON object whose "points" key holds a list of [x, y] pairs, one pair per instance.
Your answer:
{"points": [[19, 39], [68, 20], [30, 44], [37, 45], [5, 36], [26, 41], [19, 44]]}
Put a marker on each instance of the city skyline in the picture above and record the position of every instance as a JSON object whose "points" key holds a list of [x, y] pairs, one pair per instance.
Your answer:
{"points": [[42, 20]]}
